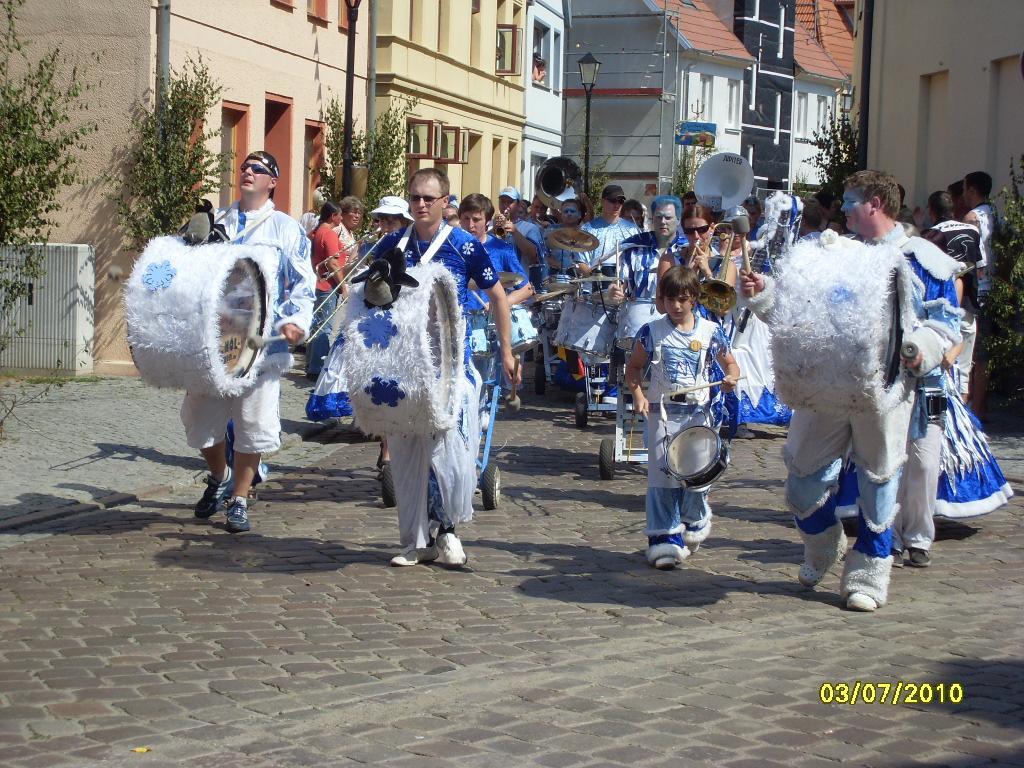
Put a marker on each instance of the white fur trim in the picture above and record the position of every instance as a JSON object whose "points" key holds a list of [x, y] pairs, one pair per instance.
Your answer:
{"points": [[694, 539], [976, 508], [830, 324], [764, 302], [424, 358], [931, 347], [667, 550], [821, 552], [174, 331], [867, 575], [936, 262]]}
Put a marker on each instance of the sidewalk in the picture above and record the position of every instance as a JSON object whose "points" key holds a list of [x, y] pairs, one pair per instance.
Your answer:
{"points": [[98, 443]]}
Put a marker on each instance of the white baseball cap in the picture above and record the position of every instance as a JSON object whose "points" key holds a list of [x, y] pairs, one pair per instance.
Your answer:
{"points": [[392, 205], [510, 192]]}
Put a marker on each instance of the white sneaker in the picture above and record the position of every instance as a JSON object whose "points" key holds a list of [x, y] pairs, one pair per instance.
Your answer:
{"points": [[450, 551], [665, 563], [414, 556], [858, 601]]}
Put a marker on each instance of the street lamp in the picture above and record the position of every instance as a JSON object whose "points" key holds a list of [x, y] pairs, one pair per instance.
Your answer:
{"points": [[589, 67], [346, 168]]}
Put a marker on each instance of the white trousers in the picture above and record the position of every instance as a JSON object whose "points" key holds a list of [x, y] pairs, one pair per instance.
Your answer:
{"points": [[256, 414], [452, 456], [915, 521]]}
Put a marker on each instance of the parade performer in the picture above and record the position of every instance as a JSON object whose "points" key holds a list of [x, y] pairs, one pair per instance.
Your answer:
{"points": [[253, 220], [833, 310], [642, 253], [679, 349], [609, 228], [475, 213], [435, 476]]}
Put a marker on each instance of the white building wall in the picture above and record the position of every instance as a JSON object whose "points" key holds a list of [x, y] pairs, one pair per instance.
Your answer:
{"points": [[542, 134], [814, 104], [720, 78]]}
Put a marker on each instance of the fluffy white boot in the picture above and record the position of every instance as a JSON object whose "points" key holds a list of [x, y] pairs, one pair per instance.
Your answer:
{"points": [[821, 552], [666, 556], [694, 539], [865, 584]]}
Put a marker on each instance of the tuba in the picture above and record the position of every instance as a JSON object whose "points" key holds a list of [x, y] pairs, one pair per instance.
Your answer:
{"points": [[554, 177]]}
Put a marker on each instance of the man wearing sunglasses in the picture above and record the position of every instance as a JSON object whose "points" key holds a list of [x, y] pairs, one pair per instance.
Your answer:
{"points": [[436, 476], [609, 228], [253, 220]]}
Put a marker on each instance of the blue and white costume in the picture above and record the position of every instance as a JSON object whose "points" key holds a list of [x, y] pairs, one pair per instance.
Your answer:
{"points": [[830, 369], [678, 519], [256, 413], [435, 476], [609, 236], [639, 267]]}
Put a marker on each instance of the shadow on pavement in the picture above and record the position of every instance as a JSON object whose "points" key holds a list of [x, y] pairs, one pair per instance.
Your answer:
{"points": [[581, 574], [131, 453]]}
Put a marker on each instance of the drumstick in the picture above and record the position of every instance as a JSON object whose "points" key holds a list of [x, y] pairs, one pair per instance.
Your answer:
{"points": [[687, 390], [259, 342], [513, 403]]}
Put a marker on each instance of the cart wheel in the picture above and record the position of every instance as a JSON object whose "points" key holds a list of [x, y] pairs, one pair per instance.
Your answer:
{"points": [[540, 379], [490, 486], [387, 485], [581, 409], [606, 459]]}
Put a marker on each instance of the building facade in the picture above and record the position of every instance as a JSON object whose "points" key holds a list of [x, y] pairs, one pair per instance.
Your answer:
{"points": [[946, 91], [280, 62], [543, 80], [469, 113]]}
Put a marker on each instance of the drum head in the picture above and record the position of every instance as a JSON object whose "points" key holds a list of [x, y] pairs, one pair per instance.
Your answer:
{"points": [[242, 313], [444, 347], [692, 452]]}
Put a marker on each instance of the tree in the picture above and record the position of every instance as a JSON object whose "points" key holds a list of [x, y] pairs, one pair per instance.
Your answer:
{"points": [[41, 134], [168, 173], [383, 147], [836, 158], [690, 159], [1006, 298]]}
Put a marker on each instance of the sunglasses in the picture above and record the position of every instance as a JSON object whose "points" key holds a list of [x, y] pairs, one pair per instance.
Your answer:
{"points": [[570, 212], [262, 170], [424, 198], [696, 230]]}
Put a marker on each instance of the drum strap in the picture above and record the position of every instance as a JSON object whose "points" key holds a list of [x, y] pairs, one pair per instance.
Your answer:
{"points": [[250, 228], [435, 244]]}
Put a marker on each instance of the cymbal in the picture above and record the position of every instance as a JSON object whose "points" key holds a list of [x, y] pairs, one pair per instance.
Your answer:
{"points": [[555, 292], [572, 239]]}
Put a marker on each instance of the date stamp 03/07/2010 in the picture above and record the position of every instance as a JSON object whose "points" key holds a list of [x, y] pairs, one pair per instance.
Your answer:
{"points": [[899, 692]]}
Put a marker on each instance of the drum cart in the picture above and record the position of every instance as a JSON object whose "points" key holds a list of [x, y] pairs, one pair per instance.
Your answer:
{"points": [[593, 400], [629, 443]]}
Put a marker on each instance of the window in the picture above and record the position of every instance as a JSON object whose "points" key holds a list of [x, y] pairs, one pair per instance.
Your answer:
{"points": [[317, 9], [782, 29], [277, 140], [707, 95], [312, 161], [541, 72], [421, 138], [342, 16], [450, 141], [800, 125], [234, 139], [507, 57], [778, 115], [823, 110], [734, 104], [555, 62]]}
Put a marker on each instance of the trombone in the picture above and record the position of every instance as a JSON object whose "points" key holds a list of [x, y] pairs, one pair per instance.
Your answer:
{"points": [[375, 237], [716, 294]]}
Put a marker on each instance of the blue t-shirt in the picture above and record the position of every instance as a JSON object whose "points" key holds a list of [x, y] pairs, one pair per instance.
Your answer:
{"points": [[504, 258], [461, 254]]}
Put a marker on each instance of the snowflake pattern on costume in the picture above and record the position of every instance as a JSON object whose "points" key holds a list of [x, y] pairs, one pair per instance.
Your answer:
{"points": [[159, 275], [384, 392], [378, 329], [467, 249], [488, 273]]}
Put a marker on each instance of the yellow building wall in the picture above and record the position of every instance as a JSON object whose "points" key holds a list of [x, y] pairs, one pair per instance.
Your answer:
{"points": [[443, 55]]}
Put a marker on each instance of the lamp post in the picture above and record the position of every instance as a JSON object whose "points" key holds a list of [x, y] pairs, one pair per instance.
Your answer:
{"points": [[589, 67], [352, 7]]}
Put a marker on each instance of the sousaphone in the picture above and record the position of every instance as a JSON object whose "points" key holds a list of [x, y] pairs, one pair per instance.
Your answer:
{"points": [[554, 177], [723, 181]]}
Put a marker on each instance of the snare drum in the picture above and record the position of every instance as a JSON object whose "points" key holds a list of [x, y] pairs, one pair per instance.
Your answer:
{"points": [[696, 457], [524, 331], [481, 333], [550, 313], [586, 327], [634, 315]]}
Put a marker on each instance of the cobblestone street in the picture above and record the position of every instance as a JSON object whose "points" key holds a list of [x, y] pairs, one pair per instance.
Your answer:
{"points": [[297, 645]]}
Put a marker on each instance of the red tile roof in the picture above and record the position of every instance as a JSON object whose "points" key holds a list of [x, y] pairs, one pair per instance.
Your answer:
{"points": [[704, 31], [826, 24]]}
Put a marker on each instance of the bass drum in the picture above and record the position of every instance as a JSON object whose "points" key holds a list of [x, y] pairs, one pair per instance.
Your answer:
{"points": [[191, 311], [401, 365]]}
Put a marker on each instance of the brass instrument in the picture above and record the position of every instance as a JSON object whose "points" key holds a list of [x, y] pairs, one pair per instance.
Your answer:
{"points": [[716, 294], [554, 177]]}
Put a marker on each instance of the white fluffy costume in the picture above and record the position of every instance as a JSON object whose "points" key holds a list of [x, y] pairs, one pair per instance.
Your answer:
{"points": [[831, 311]]}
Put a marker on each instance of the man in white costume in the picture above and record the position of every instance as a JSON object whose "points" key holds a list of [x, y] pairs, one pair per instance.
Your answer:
{"points": [[875, 428], [253, 220]]}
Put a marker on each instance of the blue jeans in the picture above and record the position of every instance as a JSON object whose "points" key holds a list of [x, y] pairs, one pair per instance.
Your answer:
{"points": [[317, 348]]}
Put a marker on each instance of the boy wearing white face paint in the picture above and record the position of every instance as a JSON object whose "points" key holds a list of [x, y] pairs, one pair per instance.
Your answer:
{"points": [[819, 440]]}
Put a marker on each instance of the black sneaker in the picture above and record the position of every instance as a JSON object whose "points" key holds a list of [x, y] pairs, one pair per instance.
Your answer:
{"points": [[216, 493], [897, 558], [238, 516], [920, 558]]}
